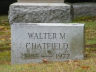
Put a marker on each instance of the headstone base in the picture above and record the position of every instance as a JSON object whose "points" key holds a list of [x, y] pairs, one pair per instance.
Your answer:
{"points": [[40, 13]]}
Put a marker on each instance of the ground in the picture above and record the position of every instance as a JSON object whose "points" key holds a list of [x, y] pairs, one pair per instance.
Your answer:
{"points": [[86, 65]]}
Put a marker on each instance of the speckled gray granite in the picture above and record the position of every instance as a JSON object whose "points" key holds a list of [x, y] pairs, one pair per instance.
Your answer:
{"points": [[39, 13], [42, 1], [34, 42], [84, 9]]}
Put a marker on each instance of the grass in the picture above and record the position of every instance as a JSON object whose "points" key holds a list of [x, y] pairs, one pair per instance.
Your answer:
{"points": [[87, 65], [90, 29]]}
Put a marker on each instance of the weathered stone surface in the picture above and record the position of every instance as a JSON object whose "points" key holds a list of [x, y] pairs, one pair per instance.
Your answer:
{"points": [[33, 42], [40, 13], [79, 1], [84, 9], [42, 1]]}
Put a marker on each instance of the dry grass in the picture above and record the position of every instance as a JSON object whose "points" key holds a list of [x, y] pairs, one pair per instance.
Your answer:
{"points": [[87, 65]]}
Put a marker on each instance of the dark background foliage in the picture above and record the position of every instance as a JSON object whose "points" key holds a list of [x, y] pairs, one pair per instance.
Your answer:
{"points": [[4, 4]]}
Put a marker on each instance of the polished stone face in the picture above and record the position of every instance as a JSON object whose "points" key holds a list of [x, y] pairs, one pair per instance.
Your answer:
{"points": [[42, 1], [33, 42]]}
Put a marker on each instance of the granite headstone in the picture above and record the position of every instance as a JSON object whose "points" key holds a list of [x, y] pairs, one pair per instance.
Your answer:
{"points": [[33, 42]]}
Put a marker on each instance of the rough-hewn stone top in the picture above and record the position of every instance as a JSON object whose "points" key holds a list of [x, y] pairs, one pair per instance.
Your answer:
{"points": [[42, 1]]}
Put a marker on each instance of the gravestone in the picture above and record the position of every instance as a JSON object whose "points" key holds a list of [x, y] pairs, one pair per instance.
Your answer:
{"points": [[84, 9], [33, 42], [42, 1], [21, 12], [79, 1], [37, 32]]}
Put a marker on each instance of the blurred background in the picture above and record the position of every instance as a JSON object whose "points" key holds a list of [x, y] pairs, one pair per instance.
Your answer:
{"points": [[4, 4]]}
